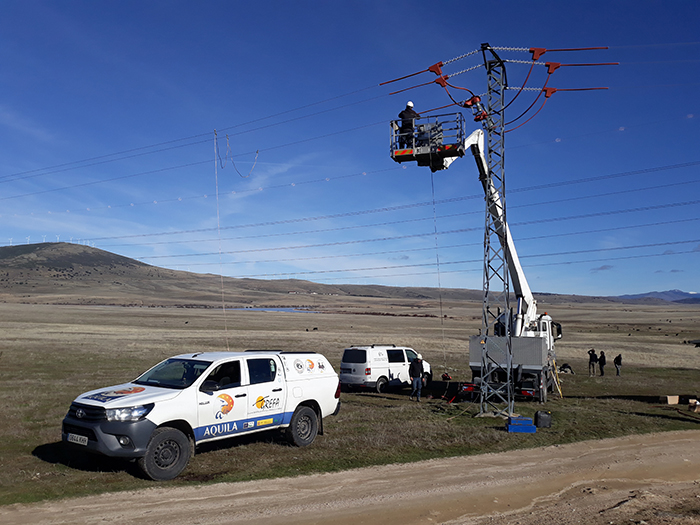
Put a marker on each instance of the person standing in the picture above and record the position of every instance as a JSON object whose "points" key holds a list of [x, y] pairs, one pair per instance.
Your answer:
{"points": [[415, 370], [407, 117], [618, 364], [601, 363], [592, 360]]}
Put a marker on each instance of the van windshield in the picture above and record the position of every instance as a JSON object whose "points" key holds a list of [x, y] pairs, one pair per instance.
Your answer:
{"points": [[354, 355]]}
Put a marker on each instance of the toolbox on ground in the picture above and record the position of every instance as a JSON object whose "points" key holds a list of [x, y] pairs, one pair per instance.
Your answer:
{"points": [[521, 425]]}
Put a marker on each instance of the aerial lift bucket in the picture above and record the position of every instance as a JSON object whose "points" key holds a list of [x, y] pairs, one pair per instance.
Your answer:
{"points": [[434, 141]]}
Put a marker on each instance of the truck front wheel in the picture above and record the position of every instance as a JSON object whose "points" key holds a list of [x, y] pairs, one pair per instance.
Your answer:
{"points": [[303, 427], [167, 454]]}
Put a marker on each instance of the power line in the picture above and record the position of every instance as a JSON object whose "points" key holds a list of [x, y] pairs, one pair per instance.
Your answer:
{"points": [[305, 246], [447, 247], [563, 263], [449, 232], [131, 153], [286, 234], [151, 172], [421, 265], [93, 183], [428, 203], [290, 221], [340, 256]]}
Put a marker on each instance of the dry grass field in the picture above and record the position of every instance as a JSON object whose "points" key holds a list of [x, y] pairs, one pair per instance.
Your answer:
{"points": [[52, 353], [74, 318]]}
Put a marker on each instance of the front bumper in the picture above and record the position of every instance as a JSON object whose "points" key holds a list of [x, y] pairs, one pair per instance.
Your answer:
{"points": [[103, 437]]}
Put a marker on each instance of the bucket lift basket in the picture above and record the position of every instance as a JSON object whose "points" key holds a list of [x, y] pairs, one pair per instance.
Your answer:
{"points": [[435, 141]]}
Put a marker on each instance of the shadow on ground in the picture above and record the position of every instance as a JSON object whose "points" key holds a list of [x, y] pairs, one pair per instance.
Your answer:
{"points": [[59, 453]]}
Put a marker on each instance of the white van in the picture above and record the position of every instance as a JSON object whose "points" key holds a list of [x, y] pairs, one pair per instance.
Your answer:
{"points": [[379, 367]]}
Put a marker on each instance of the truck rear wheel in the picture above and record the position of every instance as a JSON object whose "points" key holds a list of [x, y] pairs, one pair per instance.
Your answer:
{"points": [[381, 385], [167, 454], [543, 388], [303, 428]]}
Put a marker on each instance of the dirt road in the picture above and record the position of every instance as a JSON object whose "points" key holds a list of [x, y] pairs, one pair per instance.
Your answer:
{"points": [[636, 479]]}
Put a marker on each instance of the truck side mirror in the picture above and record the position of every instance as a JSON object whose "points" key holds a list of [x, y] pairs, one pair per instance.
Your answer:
{"points": [[209, 386]]}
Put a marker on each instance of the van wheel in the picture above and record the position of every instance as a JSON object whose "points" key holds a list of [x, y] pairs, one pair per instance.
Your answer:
{"points": [[303, 428], [167, 454], [381, 385]]}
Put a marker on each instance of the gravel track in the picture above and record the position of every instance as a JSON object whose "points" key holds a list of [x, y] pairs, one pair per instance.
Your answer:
{"points": [[653, 478]]}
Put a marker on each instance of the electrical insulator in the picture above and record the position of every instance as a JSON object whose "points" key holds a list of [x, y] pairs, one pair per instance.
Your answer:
{"points": [[477, 108]]}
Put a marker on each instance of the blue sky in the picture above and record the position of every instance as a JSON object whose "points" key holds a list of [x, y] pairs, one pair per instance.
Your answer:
{"points": [[108, 112]]}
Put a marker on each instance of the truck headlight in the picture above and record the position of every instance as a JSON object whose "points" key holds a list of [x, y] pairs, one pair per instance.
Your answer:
{"points": [[128, 414]]}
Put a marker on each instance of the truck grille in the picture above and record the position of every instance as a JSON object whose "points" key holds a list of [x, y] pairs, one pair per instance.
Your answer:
{"points": [[72, 429], [87, 412]]}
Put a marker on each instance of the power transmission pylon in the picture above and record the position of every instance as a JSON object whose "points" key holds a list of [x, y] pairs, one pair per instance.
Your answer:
{"points": [[496, 381]]}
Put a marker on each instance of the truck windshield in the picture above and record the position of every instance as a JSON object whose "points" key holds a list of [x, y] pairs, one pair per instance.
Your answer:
{"points": [[174, 373]]}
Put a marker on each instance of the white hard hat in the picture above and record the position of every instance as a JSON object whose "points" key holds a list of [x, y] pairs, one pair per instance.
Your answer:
{"points": [[409, 104], [419, 356]]}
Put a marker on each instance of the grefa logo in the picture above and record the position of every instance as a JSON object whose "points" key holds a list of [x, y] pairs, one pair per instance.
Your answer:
{"points": [[267, 403]]}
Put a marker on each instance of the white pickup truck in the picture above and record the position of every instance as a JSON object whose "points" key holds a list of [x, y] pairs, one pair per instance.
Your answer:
{"points": [[160, 417]]}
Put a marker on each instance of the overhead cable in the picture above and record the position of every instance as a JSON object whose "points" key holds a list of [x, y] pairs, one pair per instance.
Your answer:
{"points": [[422, 265], [556, 184], [203, 136]]}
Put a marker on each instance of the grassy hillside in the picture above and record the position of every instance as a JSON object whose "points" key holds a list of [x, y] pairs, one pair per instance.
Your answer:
{"points": [[65, 273]]}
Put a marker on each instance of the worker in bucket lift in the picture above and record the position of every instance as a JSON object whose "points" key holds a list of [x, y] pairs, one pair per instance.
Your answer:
{"points": [[407, 117]]}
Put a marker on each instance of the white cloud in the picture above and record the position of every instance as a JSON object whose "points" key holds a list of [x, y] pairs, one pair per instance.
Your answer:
{"points": [[19, 123]]}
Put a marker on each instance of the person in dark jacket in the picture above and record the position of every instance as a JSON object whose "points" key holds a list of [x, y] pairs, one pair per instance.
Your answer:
{"points": [[618, 364], [407, 117], [592, 360], [601, 363], [415, 370]]}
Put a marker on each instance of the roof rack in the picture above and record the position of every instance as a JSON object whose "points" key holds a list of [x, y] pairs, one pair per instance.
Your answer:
{"points": [[282, 351], [373, 345]]}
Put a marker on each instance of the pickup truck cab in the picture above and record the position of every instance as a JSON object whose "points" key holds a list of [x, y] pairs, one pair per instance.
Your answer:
{"points": [[160, 417]]}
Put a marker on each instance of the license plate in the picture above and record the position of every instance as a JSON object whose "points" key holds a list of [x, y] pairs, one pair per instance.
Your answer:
{"points": [[80, 440]]}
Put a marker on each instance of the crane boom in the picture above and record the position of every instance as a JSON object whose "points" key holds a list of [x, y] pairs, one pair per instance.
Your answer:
{"points": [[526, 311]]}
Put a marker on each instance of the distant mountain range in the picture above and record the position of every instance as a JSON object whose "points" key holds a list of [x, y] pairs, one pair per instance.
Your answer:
{"points": [[675, 296], [66, 273]]}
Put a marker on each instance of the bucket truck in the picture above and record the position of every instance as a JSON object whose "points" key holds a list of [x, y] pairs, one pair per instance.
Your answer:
{"points": [[436, 141], [532, 335]]}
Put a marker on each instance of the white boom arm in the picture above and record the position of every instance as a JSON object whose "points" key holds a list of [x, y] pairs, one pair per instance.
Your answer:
{"points": [[527, 306]]}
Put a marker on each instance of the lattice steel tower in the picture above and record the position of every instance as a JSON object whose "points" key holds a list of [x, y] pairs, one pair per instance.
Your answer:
{"points": [[496, 380]]}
